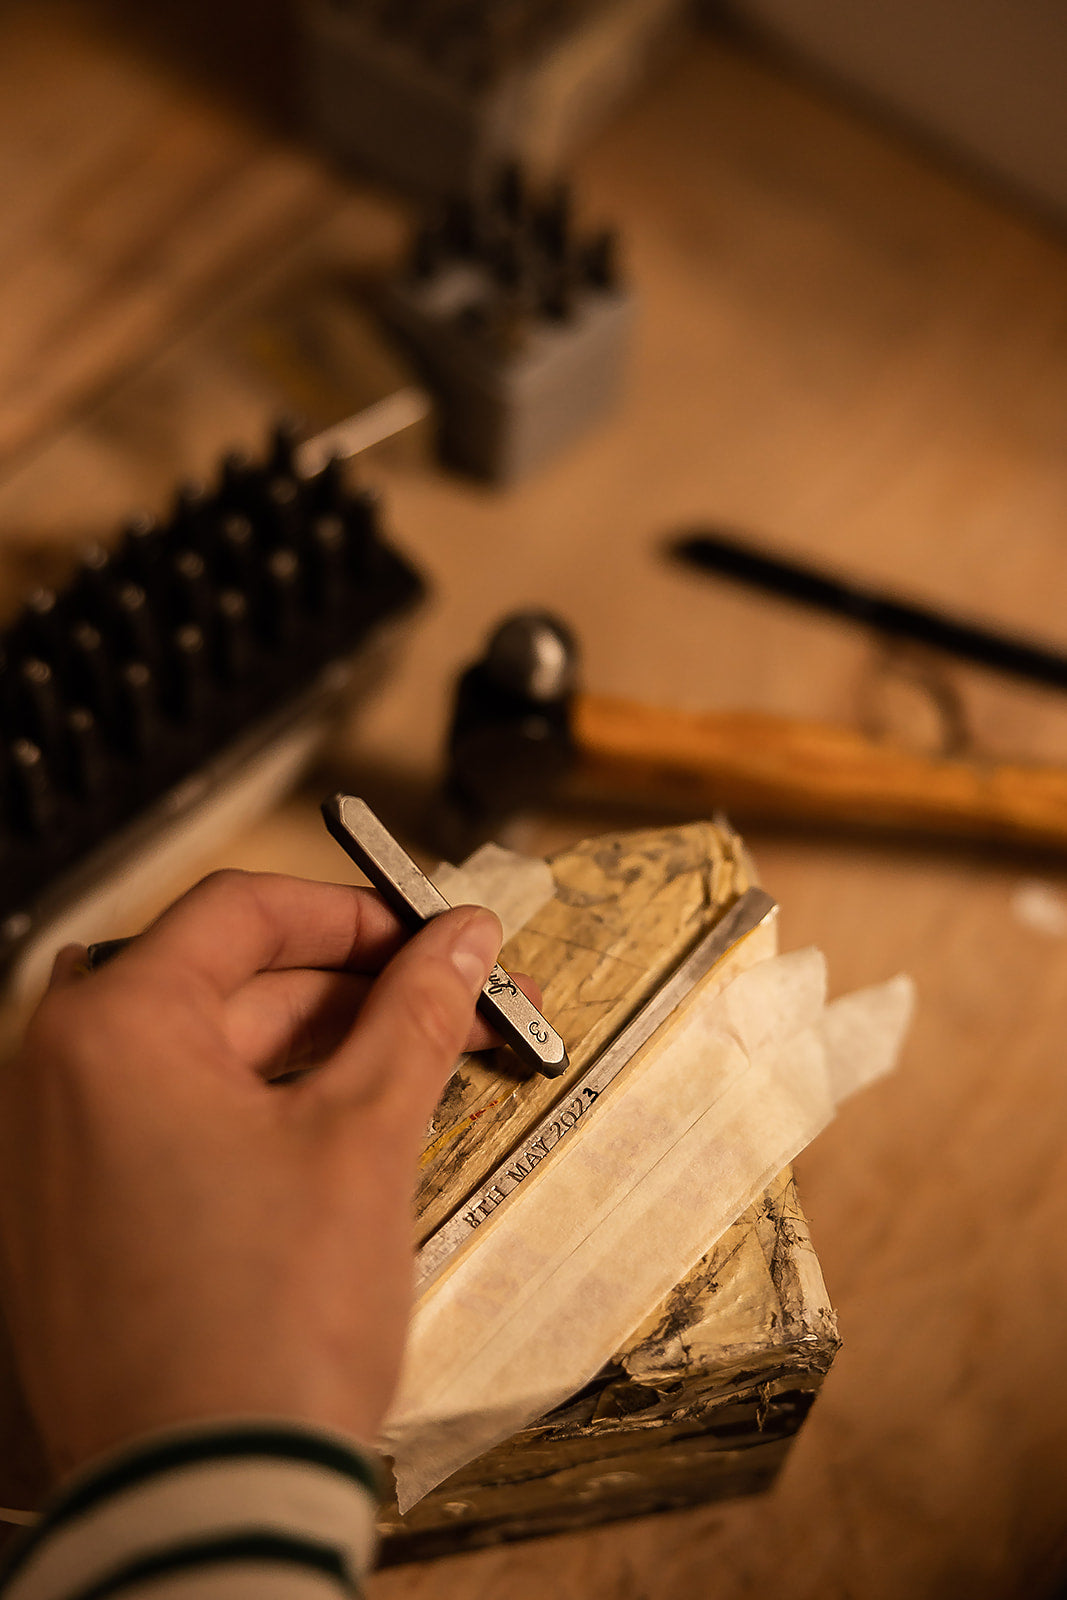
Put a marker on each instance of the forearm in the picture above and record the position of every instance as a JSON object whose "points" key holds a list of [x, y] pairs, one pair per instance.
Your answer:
{"points": [[219, 1510]]}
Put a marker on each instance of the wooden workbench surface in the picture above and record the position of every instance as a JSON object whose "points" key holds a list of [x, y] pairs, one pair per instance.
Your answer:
{"points": [[841, 349]]}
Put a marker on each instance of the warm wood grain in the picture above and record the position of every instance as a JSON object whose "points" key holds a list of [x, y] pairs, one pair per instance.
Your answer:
{"points": [[756, 764], [855, 356], [153, 207]]}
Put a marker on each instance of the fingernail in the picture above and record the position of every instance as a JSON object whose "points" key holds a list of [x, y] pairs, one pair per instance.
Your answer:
{"points": [[476, 948]]}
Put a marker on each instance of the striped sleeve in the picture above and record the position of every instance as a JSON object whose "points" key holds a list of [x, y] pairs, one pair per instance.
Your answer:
{"points": [[221, 1511]]}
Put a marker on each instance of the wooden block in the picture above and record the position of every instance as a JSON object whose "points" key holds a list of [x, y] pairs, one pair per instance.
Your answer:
{"points": [[702, 1400]]}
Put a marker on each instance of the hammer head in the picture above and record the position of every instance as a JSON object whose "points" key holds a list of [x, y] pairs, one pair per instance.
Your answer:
{"points": [[510, 740]]}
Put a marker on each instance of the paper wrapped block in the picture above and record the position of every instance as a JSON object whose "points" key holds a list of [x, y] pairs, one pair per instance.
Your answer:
{"points": [[712, 1108], [687, 1364]]}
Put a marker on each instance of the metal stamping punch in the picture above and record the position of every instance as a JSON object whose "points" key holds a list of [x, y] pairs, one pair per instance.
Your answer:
{"points": [[409, 893]]}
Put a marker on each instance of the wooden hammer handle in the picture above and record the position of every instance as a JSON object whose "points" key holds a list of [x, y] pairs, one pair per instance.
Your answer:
{"points": [[776, 767]]}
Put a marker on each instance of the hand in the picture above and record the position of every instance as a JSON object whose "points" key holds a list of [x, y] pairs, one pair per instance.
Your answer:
{"points": [[180, 1238]]}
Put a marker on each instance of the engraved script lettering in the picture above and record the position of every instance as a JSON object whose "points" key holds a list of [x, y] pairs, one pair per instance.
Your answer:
{"points": [[498, 982]]}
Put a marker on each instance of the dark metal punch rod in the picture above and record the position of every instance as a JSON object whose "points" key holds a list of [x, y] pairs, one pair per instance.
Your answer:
{"points": [[409, 893], [730, 557]]}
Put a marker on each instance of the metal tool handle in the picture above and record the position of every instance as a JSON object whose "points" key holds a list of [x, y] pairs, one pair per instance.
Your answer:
{"points": [[415, 900], [728, 556]]}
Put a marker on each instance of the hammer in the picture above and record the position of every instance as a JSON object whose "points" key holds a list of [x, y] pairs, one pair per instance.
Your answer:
{"points": [[523, 730]]}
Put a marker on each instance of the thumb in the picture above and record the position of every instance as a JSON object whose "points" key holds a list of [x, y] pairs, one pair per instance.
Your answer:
{"points": [[417, 1016], [71, 962]]}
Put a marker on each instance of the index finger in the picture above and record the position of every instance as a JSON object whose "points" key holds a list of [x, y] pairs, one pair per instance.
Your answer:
{"points": [[234, 924]]}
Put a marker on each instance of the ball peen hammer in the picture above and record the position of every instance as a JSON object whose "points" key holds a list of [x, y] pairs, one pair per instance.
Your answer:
{"points": [[523, 729]]}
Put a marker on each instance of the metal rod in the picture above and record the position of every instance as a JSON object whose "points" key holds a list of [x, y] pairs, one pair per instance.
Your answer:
{"points": [[735, 558], [368, 427], [415, 900]]}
